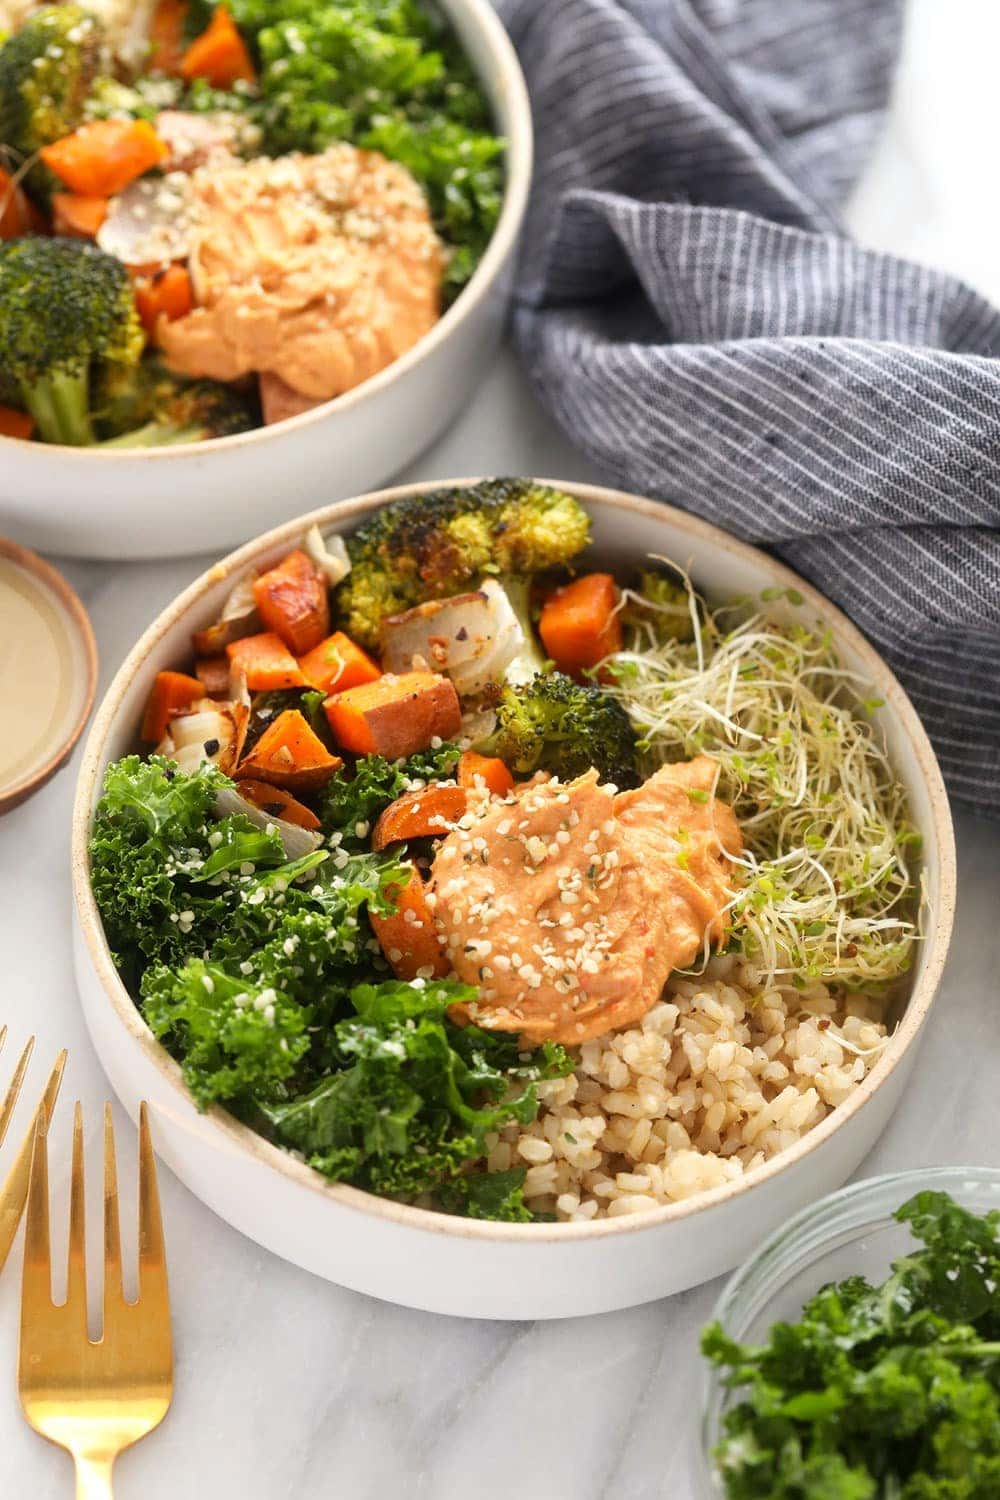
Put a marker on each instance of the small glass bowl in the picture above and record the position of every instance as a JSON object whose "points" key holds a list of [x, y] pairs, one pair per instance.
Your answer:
{"points": [[848, 1233]]}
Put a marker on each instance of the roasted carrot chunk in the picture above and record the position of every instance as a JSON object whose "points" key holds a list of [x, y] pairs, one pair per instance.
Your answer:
{"points": [[148, 268], [289, 754], [12, 213], [78, 215], [104, 156], [166, 36], [216, 637], [407, 936], [15, 424], [173, 693], [17, 215], [167, 293], [419, 815], [278, 803], [579, 626], [473, 769], [220, 54], [292, 601], [337, 664], [266, 662], [396, 715], [213, 674]]}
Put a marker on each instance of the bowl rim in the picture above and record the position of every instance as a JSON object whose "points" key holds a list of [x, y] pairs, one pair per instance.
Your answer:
{"points": [[510, 84], [242, 1138], [817, 1227]]}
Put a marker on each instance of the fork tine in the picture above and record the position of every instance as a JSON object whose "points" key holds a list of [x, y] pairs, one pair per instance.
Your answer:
{"points": [[94, 1398], [11, 1096], [14, 1190], [152, 1250], [112, 1229], [36, 1286], [76, 1266]]}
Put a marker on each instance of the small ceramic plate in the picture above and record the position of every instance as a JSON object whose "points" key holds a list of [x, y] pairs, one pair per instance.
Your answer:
{"points": [[48, 671]]}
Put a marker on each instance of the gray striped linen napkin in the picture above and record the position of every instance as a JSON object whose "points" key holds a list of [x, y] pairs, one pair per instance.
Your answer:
{"points": [[692, 313]]}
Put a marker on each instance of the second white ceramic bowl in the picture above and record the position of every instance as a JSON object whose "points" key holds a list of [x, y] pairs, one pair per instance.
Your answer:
{"points": [[205, 497], [452, 1265]]}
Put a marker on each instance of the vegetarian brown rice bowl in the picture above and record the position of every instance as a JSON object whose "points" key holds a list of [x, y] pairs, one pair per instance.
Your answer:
{"points": [[750, 1087]]}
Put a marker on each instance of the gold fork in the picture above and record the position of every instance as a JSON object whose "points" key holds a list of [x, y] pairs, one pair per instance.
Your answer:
{"points": [[95, 1398], [14, 1190]]}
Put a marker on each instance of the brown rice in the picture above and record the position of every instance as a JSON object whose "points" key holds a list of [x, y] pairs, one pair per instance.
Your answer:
{"points": [[717, 1077]]}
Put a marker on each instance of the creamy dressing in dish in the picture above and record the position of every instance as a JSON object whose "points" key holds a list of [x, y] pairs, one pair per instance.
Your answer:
{"points": [[41, 674]]}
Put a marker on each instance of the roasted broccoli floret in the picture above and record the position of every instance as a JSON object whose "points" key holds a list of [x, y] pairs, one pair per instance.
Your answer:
{"points": [[148, 407], [47, 69], [662, 612], [65, 308], [443, 543], [555, 724], [142, 99]]}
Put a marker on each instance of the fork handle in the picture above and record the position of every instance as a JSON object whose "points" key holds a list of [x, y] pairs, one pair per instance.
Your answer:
{"points": [[93, 1478]]}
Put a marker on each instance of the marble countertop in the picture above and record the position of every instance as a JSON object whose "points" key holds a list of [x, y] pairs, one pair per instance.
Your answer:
{"points": [[289, 1387]]}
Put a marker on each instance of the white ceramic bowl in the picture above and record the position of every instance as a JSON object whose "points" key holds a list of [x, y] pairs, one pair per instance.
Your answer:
{"points": [[205, 497], [453, 1265]]}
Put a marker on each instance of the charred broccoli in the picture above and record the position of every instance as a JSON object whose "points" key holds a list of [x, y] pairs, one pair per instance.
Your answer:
{"points": [[555, 724], [662, 610], [65, 308], [142, 99], [148, 407], [442, 543], [47, 69]]}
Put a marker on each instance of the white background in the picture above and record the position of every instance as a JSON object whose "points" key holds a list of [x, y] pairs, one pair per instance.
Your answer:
{"points": [[288, 1387]]}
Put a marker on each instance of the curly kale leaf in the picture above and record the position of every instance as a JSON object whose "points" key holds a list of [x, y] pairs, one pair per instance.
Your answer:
{"points": [[303, 928], [150, 798], [356, 795], [256, 1009], [487, 1195], [891, 1390], [233, 847], [174, 884], [233, 1037], [154, 830], [414, 1096], [957, 1274]]}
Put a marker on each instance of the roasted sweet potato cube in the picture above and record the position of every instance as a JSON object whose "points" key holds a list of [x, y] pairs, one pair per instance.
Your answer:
{"points": [[395, 716], [337, 664], [173, 693], [580, 624], [289, 754], [219, 54], [292, 601], [407, 936], [278, 803], [213, 673], [484, 770], [429, 814], [266, 663]]}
